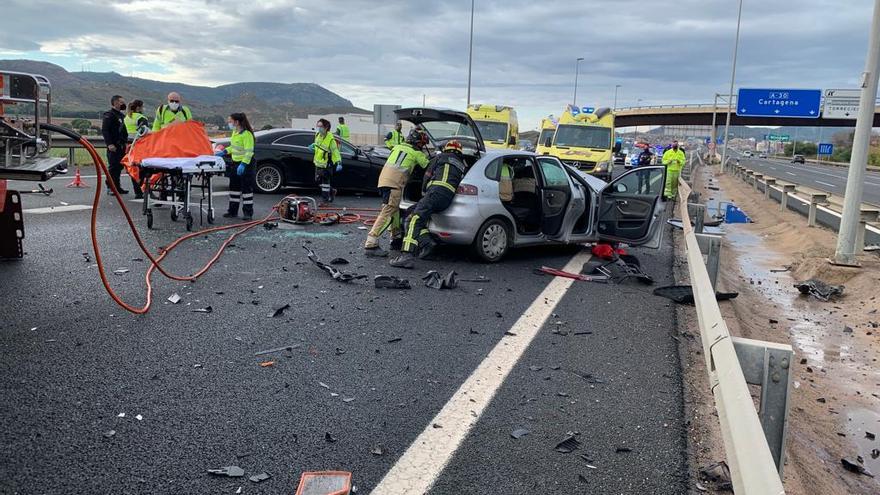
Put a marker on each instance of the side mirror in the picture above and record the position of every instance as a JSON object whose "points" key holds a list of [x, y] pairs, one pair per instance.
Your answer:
{"points": [[619, 187], [512, 140]]}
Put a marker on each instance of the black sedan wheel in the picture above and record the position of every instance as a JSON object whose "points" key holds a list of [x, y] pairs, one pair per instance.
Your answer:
{"points": [[269, 178]]}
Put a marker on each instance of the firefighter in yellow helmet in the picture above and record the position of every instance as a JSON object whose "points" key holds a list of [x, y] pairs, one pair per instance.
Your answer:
{"points": [[445, 172], [395, 174]]}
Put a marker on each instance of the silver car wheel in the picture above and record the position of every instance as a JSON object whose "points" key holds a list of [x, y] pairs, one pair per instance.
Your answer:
{"points": [[494, 241], [268, 178]]}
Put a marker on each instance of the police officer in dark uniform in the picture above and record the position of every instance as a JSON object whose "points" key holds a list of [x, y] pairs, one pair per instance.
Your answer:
{"points": [[116, 138], [445, 172]]}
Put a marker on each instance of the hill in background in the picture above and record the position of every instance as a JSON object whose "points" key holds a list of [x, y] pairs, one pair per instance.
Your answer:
{"points": [[87, 95]]}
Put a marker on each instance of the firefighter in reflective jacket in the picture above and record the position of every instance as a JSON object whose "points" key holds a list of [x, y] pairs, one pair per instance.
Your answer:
{"points": [[241, 180], [444, 173], [327, 159], [395, 174], [394, 137]]}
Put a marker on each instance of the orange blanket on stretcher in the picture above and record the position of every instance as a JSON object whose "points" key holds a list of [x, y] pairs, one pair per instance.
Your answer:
{"points": [[183, 140]]}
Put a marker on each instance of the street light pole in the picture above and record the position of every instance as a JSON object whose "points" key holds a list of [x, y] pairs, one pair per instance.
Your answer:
{"points": [[732, 80], [845, 253], [616, 86], [470, 54], [577, 64]]}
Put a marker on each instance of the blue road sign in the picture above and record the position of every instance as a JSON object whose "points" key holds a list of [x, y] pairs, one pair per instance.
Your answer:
{"points": [[792, 103], [588, 110], [826, 148]]}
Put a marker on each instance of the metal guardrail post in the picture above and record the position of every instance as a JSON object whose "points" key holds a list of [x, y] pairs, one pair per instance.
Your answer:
{"points": [[71, 157], [752, 467], [768, 364], [710, 246], [698, 212], [786, 188], [815, 199], [768, 183], [757, 179], [864, 218]]}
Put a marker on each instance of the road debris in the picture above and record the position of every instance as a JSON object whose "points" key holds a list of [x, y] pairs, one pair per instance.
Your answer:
{"points": [[870, 436], [324, 385], [329, 438], [277, 349], [278, 311], [260, 477], [684, 294], [546, 270], [819, 289], [855, 467], [206, 309], [339, 261], [139, 417], [336, 274], [621, 268], [230, 471], [433, 280], [390, 282], [174, 298], [109, 433], [568, 444], [395, 339], [719, 474], [266, 364], [519, 433], [120, 271], [377, 450]]}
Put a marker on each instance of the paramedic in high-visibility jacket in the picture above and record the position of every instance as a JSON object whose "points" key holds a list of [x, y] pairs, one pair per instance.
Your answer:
{"points": [[172, 112], [673, 160], [445, 172], [241, 177], [327, 159], [404, 158], [394, 137]]}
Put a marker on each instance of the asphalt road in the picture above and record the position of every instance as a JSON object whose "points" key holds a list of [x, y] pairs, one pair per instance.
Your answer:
{"points": [[604, 366], [823, 177]]}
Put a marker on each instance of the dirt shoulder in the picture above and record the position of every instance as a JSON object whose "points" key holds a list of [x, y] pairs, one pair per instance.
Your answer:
{"points": [[835, 402]]}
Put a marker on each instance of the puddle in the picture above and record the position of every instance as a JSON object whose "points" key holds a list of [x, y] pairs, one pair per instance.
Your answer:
{"points": [[858, 421]]}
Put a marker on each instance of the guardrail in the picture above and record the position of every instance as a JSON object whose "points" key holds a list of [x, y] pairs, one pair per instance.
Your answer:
{"points": [[753, 440], [816, 200]]}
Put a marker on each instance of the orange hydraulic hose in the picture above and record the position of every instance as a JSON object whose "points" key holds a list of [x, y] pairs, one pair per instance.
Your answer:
{"points": [[101, 166]]}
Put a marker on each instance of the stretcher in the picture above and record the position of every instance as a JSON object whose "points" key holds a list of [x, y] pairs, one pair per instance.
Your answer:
{"points": [[175, 178]]}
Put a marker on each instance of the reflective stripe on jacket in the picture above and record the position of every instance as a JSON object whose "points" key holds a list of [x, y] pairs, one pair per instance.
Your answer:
{"points": [[393, 138], [241, 146], [325, 146], [400, 164]]}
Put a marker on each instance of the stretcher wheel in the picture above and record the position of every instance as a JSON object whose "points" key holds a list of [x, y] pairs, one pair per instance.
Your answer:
{"points": [[149, 219], [211, 216], [189, 221]]}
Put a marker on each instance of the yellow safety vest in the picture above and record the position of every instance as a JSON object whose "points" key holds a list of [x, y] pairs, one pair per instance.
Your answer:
{"points": [[165, 116], [343, 131], [505, 186], [325, 146], [133, 122], [241, 147], [395, 139], [400, 163]]}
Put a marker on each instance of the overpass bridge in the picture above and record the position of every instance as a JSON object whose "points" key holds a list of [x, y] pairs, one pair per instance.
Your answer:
{"points": [[707, 114]]}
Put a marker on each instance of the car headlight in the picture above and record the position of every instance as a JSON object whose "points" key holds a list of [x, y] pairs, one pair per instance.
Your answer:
{"points": [[601, 166]]}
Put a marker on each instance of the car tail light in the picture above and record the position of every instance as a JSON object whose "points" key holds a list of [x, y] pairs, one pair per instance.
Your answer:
{"points": [[467, 190]]}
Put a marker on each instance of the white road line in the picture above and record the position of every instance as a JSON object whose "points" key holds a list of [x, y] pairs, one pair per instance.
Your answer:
{"points": [[424, 460], [825, 183], [789, 173], [56, 209]]}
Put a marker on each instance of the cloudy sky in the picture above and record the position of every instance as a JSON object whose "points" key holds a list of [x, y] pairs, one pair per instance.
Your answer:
{"points": [[395, 51]]}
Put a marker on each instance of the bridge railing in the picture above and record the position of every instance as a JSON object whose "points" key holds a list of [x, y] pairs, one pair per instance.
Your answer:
{"points": [[753, 442]]}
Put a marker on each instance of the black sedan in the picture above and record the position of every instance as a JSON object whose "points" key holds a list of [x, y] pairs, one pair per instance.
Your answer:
{"points": [[283, 159]]}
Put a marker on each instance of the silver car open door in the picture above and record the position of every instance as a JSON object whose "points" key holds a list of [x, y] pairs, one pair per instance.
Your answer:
{"points": [[631, 209]]}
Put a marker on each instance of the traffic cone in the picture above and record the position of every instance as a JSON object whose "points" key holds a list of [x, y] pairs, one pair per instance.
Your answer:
{"points": [[77, 180]]}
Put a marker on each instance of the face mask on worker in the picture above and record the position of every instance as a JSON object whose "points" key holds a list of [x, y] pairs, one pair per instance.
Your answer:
{"points": [[173, 105], [121, 107], [231, 126], [321, 129]]}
